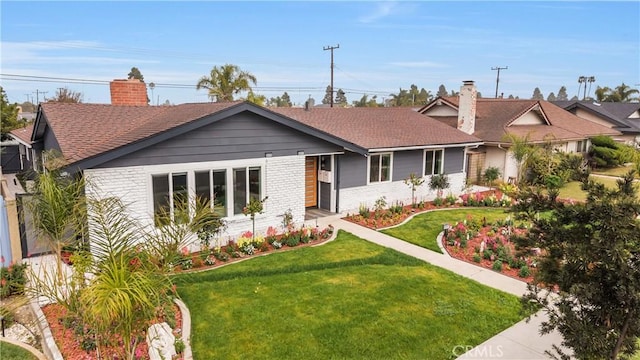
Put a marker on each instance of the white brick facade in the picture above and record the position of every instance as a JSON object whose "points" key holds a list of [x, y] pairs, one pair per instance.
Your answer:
{"points": [[283, 182], [352, 198]]}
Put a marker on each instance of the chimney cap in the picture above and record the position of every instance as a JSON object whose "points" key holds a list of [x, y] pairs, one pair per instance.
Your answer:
{"points": [[468, 82]]}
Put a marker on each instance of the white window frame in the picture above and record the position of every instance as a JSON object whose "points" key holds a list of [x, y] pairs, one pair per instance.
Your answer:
{"points": [[190, 169], [169, 176], [424, 162], [380, 167]]}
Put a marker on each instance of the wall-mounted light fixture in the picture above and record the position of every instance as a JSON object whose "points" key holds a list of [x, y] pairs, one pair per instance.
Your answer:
{"points": [[300, 152]]}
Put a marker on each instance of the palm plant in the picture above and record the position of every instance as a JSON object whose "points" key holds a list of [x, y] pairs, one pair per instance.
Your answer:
{"points": [[59, 212], [176, 229], [226, 81], [127, 289], [520, 149]]}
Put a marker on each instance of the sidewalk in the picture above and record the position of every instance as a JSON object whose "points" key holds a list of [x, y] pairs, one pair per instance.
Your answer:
{"points": [[519, 342]]}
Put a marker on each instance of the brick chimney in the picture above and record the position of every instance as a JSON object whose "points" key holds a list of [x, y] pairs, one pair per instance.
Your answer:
{"points": [[467, 107], [131, 92]]}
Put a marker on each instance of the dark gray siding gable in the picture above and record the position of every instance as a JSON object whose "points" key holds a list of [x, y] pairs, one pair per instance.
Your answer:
{"points": [[242, 136], [453, 160], [407, 162], [353, 170]]}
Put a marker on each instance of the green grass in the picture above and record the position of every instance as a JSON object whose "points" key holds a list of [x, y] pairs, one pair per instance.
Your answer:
{"points": [[14, 352], [348, 299], [423, 229], [616, 171], [573, 190]]}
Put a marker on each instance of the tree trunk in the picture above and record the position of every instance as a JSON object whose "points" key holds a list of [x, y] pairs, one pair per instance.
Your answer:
{"points": [[623, 335]]}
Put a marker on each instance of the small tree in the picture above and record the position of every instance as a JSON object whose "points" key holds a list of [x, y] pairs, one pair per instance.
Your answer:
{"points": [[439, 182], [414, 181], [491, 174], [255, 206], [591, 255]]}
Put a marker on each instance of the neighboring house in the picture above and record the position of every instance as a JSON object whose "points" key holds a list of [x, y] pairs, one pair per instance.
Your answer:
{"points": [[17, 153], [492, 119], [332, 159], [624, 117]]}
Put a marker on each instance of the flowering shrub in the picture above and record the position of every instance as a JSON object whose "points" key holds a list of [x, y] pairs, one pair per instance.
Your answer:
{"points": [[482, 199], [12, 279]]}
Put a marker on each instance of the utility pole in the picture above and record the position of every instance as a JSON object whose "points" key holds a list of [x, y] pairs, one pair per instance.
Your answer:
{"points": [[38, 92], [498, 77], [331, 48]]}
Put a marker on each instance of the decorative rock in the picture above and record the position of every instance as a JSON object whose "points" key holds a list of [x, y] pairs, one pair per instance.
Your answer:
{"points": [[482, 245], [161, 342]]}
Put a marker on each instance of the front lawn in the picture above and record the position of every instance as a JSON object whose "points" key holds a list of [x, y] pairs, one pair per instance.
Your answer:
{"points": [[14, 352], [346, 299], [573, 190], [423, 229]]}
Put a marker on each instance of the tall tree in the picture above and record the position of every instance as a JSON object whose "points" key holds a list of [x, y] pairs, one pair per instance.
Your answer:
{"points": [[341, 98], [328, 94], [537, 94], [64, 95], [286, 100], [590, 263], [442, 91], [226, 81], [621, 93], [551, 97], [9, 115], [135, 74], [562, 94]]}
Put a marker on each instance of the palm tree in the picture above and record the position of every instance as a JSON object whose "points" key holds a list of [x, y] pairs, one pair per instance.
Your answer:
{"points": [[621, 93], [226, 81]]}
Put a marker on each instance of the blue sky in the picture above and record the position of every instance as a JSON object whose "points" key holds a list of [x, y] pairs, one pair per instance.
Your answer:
{"points": [[383, 45]]}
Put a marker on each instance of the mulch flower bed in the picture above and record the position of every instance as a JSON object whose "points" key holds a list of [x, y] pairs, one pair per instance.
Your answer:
{"points": [[384, 217], [247, 246], [491, 246], [70, 344]]}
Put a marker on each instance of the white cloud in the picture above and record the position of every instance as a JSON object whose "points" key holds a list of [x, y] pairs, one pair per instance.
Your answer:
{"points": [[381, 10]]}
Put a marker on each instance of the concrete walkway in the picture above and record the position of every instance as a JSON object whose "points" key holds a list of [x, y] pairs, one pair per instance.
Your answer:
{"points": [[521, 341]]}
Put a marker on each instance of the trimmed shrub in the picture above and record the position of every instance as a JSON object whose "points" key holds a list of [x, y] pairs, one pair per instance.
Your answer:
{"points": [[497, 266]]}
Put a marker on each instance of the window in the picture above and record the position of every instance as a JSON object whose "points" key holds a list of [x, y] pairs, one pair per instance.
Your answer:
{"points": [[246, 186], [581, 146], [379, 168], [433, 162], [169, 190], [212, 186]]}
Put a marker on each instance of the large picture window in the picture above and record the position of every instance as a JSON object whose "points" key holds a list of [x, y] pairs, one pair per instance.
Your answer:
{"points": [[229, 190], [379, 168], [433, 162], [168, 191]]}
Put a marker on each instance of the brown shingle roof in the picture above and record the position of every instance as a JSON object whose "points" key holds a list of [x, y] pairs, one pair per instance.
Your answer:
{"points": [[493, 117], [86, 130], [375, 128], [24, 133]]}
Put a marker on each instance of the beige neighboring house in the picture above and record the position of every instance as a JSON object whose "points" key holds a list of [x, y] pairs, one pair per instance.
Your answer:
{"points": [[492, 119]]}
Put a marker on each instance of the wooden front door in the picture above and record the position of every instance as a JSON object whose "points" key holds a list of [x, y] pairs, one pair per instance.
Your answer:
{"points": [[311, 182]]}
